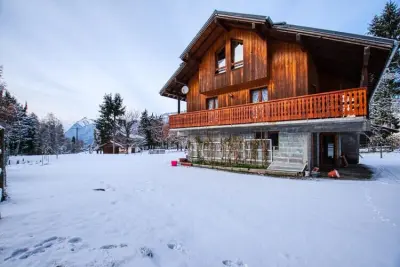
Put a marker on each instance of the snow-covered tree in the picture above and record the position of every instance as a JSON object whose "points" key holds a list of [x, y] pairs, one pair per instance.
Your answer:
{"points": [[383, 115], [172, 138], [382, 109], [144, 128], [18, 129], [51, 135], [393, 140], [126, 126], [31, 144], [387, 25], [156, 129]]}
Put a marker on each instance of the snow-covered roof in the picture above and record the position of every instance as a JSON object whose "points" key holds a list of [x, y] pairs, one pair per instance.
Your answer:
{"points": [[136, 136], [112, 142]]}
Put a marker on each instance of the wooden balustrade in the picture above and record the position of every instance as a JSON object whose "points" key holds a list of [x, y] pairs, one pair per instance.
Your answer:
{"points": [[336, 104]]}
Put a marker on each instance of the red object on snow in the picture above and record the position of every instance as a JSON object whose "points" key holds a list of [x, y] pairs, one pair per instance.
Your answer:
{"points": [[186, 164], [174, 163], [183, 160], [333, 174]]}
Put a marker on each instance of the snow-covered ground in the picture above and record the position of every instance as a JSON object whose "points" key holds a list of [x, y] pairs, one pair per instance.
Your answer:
{"points": [[195, 217]]}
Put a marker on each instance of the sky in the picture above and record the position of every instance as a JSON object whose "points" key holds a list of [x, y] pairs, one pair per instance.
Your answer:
{"points": [[62, 56]]}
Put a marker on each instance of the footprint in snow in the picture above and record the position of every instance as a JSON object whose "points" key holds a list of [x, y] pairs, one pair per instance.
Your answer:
{"points": [[32, 252], [146, 252], [176, 246], [113, 246], [237, 263], [53, 238], [75, 240], [16, 253]]}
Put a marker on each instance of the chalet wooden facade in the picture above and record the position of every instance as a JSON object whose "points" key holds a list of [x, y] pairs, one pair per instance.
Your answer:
{"points": [[303, 92]]}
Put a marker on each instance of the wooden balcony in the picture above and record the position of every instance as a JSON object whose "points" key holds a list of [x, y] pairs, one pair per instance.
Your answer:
{"points": [[336, 104]]}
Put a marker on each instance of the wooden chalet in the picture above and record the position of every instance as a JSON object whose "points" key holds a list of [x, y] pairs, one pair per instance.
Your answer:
{"points": [[108, 148], [303, 92]]}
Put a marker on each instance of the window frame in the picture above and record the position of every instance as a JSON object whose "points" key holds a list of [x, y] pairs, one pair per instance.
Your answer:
{"points": [[214, 100], [276, 145], [260, 90], [220, 70], [236, 64], [260, 135]]}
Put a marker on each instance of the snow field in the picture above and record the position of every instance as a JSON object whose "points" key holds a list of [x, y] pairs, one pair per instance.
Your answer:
{"points": [[152, 214]]}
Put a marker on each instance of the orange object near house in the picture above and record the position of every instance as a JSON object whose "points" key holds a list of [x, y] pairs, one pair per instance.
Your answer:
{"points": [[333, 174], [174, 163]]}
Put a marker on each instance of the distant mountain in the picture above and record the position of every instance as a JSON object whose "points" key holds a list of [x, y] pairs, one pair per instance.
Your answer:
{"points": [[85, 128]]}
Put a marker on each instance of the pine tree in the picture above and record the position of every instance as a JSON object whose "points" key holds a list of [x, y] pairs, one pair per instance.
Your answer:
{"points": [[44, 138], [144, 128], [387, 24], [31, 145], [156, 129], [18, 129], [110, 112]]}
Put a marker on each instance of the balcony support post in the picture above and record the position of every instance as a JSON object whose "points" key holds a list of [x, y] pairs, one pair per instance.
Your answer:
{"points": [[364, 71], [179, 104]]}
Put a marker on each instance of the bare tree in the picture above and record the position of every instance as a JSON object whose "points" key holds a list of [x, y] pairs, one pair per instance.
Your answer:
{"points": [[127, 123], [172, 138]]}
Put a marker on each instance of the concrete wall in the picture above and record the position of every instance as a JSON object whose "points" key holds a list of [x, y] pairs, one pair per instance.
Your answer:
{"points": [[294, 148], [242, 153], [350, 145]]}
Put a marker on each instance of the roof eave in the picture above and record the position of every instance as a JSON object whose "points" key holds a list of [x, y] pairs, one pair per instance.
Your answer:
{"points": [[382, 43], [389, 60], [225, 15]]}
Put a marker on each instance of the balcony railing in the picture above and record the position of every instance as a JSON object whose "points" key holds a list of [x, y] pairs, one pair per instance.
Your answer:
{"points": [[336, 104]]}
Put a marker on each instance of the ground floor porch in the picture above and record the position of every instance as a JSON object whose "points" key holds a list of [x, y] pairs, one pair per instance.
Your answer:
{"points": [[281, 148]]}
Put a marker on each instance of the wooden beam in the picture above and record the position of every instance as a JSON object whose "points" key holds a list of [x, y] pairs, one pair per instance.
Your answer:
{"points": [[222, 25], [186, 57], [189, 58], [300, 41], [364, 71], [258, 31]]}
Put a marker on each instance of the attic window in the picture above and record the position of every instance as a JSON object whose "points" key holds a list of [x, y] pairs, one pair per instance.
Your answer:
{"points": [[237, 53], [220, 61]]}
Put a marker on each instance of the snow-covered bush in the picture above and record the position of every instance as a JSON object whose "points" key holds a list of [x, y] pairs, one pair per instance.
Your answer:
{"points": [[393, 140]]}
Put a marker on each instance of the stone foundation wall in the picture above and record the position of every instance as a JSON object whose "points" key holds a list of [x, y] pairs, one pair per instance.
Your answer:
{"points": [[211, 146], [294, 148]]}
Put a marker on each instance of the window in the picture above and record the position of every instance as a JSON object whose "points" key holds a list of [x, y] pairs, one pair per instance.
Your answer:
{"points": [[259, 95], [212, 103], [260, 135], [237, 54], [220, 62], [274, 136]]}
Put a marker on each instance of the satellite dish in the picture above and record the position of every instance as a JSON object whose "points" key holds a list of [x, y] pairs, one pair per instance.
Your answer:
{"points": [[185, 89]]}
